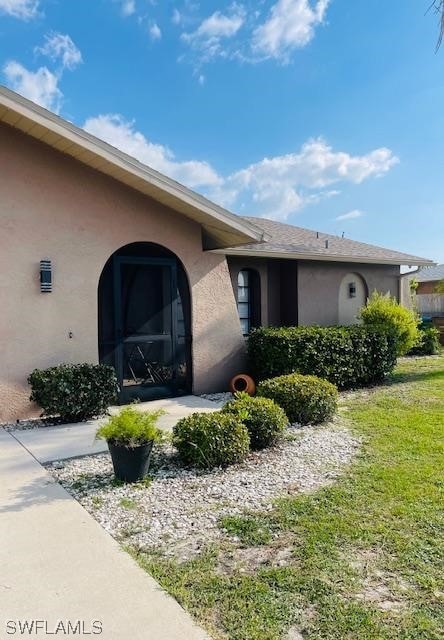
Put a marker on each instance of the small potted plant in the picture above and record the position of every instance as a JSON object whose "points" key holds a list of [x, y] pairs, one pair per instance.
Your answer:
{"points": [[130, 436]]}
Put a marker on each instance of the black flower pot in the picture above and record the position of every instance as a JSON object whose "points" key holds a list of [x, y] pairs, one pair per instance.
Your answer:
{"points": [[130, 463]]}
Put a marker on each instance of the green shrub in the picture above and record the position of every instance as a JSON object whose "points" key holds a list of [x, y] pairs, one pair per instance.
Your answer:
{"points": [[131, 428], [264, 419], [74, 391], [427, 343], [383, 311], [346, 356], [211, 439], [305, 399]]}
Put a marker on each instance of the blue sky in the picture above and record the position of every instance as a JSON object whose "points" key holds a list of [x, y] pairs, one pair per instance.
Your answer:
{"points": [[325, 114]]}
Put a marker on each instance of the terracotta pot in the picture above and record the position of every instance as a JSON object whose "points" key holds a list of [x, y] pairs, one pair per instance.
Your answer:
{"points": [[242, 382]]}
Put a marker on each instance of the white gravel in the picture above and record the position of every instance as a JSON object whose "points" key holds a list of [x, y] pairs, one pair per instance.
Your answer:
{"points": [[178, 512], [221, 398], [32, 423]]}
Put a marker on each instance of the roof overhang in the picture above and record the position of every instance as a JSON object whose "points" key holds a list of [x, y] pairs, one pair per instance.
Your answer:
{"points": [[288, 255], [220, 227]]}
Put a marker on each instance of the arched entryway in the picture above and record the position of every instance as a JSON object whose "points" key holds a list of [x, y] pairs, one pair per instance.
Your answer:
{"points": [[145, 322], [352, 297]]}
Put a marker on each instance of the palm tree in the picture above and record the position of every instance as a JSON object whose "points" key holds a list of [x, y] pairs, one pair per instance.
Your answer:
{"points": [[437, 7]]}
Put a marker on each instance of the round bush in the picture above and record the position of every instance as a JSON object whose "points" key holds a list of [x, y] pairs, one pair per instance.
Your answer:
{"points": [[74, 391], [305, 399], [427, 343], [211, 439], [384, 312], [264, 419]]}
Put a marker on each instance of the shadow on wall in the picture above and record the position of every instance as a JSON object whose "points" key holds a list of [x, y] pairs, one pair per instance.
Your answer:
{"points": [[218, 367]]}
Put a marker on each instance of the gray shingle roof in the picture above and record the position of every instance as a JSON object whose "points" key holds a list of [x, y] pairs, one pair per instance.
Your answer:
{"points": [[288, 240], [430, 274]]}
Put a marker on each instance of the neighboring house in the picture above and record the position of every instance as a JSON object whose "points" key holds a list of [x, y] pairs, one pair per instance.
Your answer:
{"points": [[428, 279], [103, 259], [429, 302]]}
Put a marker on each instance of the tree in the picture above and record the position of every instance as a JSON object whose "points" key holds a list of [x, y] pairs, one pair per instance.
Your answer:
{"points": [[440, 287], [437, 7]]}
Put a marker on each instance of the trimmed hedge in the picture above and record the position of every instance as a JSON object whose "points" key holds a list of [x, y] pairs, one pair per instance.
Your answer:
{"points": [[427, 343], [264, 419], [74, 391], [211, 439], [346, 356], [305, 399]]}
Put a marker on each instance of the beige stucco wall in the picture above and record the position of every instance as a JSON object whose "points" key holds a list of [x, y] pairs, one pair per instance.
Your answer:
{"points": [[53, 207], [319, 283], [349, 308]]}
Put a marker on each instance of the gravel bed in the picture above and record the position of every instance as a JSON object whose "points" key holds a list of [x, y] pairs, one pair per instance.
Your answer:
{"points": [[32, 423], [177, 513], [221, 398]]}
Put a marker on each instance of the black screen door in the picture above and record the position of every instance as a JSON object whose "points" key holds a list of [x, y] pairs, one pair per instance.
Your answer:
{"points": [[146, 326]]}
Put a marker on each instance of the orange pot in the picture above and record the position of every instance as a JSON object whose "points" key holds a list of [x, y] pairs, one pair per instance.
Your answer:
{"points": [[242, 382]]}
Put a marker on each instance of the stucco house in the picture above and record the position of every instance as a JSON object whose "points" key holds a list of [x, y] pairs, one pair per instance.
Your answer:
{"points": [[103, 259]]}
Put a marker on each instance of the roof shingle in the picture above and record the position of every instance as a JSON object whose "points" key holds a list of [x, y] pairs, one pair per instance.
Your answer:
{"points": [[430, 274], [286, 240]]}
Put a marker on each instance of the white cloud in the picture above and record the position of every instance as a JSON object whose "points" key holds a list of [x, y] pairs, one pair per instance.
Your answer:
{"points": [[176, 18], [59, 46], [40, 86], [207, 39], [23, 9], [351, 215], [219, 25], [128, 7], [154, 31], [117, 131], [280, 186], [290, 25], [201, 79], [274, 187]]}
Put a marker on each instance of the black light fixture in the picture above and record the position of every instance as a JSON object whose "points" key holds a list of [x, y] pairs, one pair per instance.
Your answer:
{"points": [[45, 276], [352, 289]]}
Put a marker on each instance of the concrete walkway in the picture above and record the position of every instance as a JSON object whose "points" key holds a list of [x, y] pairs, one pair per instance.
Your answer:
{"points": [[68, 441], [58, 564]]}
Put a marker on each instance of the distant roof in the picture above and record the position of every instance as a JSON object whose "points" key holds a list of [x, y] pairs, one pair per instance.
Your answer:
{"points": [[430, 274], [221, 228], [288, 241]]}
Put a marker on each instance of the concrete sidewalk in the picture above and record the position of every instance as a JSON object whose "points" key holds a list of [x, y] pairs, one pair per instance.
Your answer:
{"points": [[68, 441], [57, 563]]}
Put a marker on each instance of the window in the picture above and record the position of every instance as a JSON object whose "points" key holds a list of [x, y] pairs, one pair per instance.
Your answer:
{"points": [[248, 297]]}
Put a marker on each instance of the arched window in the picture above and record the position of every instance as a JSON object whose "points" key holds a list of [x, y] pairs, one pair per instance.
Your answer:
{"points": [[248, 299]]}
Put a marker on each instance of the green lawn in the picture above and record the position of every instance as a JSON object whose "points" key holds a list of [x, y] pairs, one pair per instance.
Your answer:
{"points": [[362, 559]]}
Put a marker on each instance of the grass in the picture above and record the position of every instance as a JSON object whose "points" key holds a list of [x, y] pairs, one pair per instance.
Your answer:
{"points": [[128, 503], [364, 557]]}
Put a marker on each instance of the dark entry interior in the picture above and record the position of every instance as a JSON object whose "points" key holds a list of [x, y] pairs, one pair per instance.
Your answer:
{"points": [[145, 322]]}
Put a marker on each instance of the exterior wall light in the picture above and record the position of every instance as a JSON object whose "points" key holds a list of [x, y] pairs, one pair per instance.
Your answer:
{"points": [[45, 276], [352, 289]]}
